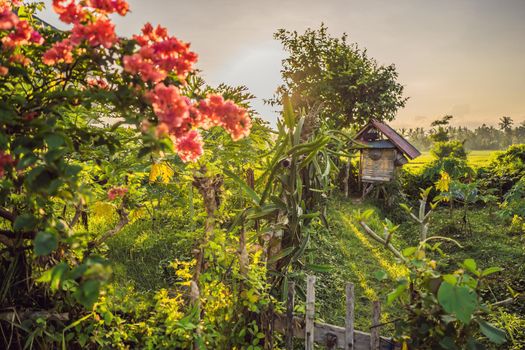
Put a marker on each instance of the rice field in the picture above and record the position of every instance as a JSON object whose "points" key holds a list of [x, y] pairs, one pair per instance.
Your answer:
{"points": [[476, 159]]}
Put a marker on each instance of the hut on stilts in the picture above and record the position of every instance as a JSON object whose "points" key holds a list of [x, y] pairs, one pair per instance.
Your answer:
{"points": [[382, 150]]}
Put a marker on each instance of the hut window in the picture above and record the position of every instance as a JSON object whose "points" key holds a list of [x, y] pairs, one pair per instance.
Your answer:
{"points": [[375, 154]]}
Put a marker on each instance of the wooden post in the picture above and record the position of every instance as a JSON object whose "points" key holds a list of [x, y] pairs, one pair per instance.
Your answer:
{"points": [[289, 316], [349, 318], [310, 313], [347, 177], [374, 330]]}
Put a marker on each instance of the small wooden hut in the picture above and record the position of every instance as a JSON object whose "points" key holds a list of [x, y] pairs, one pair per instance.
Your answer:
{"points": [[382, 150]]}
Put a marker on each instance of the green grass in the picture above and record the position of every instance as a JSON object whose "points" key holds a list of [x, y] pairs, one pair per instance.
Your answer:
{"points": [[356, 258], [476, 159], [141, 253]]}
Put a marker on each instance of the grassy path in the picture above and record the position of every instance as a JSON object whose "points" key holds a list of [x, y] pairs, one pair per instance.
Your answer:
{"points": [[355, 258]]}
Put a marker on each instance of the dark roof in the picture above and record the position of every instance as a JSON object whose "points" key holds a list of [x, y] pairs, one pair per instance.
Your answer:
{"points": [[398, 140], [378, 144]]}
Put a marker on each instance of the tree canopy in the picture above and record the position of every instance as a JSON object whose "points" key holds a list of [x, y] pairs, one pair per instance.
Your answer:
{"points": [[350, 86]]}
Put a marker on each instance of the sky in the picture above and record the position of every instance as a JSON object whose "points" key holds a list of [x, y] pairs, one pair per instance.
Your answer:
{"points": [[459, 57]]}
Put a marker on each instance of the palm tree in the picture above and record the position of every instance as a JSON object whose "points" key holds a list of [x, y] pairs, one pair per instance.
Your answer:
{"points": [[505, 123]]}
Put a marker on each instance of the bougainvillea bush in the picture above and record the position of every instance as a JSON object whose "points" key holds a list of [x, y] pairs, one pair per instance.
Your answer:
{"points": [[66, 97]]}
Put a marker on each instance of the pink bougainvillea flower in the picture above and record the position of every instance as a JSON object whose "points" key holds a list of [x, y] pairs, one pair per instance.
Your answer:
{"points": [[30, 116], [170, 106], [69, 11], [215, 111], [117, 192], [135, 64], [109, 6], [98, 82], [189, 146], [5, 160], [100, 32], [20, 59], [58, 53], [7, 17], [159, 55], [23, 34]]}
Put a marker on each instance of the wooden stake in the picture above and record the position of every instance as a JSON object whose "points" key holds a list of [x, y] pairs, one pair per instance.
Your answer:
{"points": [[374, 331], [349, 319], [310, 313]]}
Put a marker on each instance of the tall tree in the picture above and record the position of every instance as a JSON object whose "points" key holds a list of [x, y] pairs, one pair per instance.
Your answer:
{"points": [[505, 123], [440, 131], [350, 86]]}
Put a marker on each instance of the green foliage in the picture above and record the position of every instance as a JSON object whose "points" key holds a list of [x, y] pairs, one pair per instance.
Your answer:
{"points": [[351, 87], [440, 131], [445, 149], [505, 170], [297, 177], [443, 310]]}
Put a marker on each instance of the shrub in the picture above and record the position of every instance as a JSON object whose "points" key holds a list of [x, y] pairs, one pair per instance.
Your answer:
{"points": [[442, 309], [505, 170], [445, 149]]}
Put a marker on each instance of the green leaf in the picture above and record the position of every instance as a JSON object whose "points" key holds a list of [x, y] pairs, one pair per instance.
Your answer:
{"points": [[54, 140], [409, 251], [242, 184], [288, 113], [453, 280], [319, 267], [260, 212], [393, 295], [494, 334], [471, 266], [458, 300], [490, 271], [45, 242], [283, 253], [88, 292], [405, 208], [57, 273], [24, 222], [472, 344], [28, 160], [380, 275], [448, 343]]}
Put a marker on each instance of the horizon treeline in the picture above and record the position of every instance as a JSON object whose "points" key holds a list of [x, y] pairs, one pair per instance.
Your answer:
{"points": [[484, 137]]}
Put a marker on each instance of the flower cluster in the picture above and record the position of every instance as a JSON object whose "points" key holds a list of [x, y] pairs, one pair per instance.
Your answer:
{"points": [[189, 146], [5, 160], [97, 82], [99, 32], [178, 116], [172, 109], [117, 192], [20, 33], [215, 111], [8, 19], [60, 52], [159, 55], [91, 25]]}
